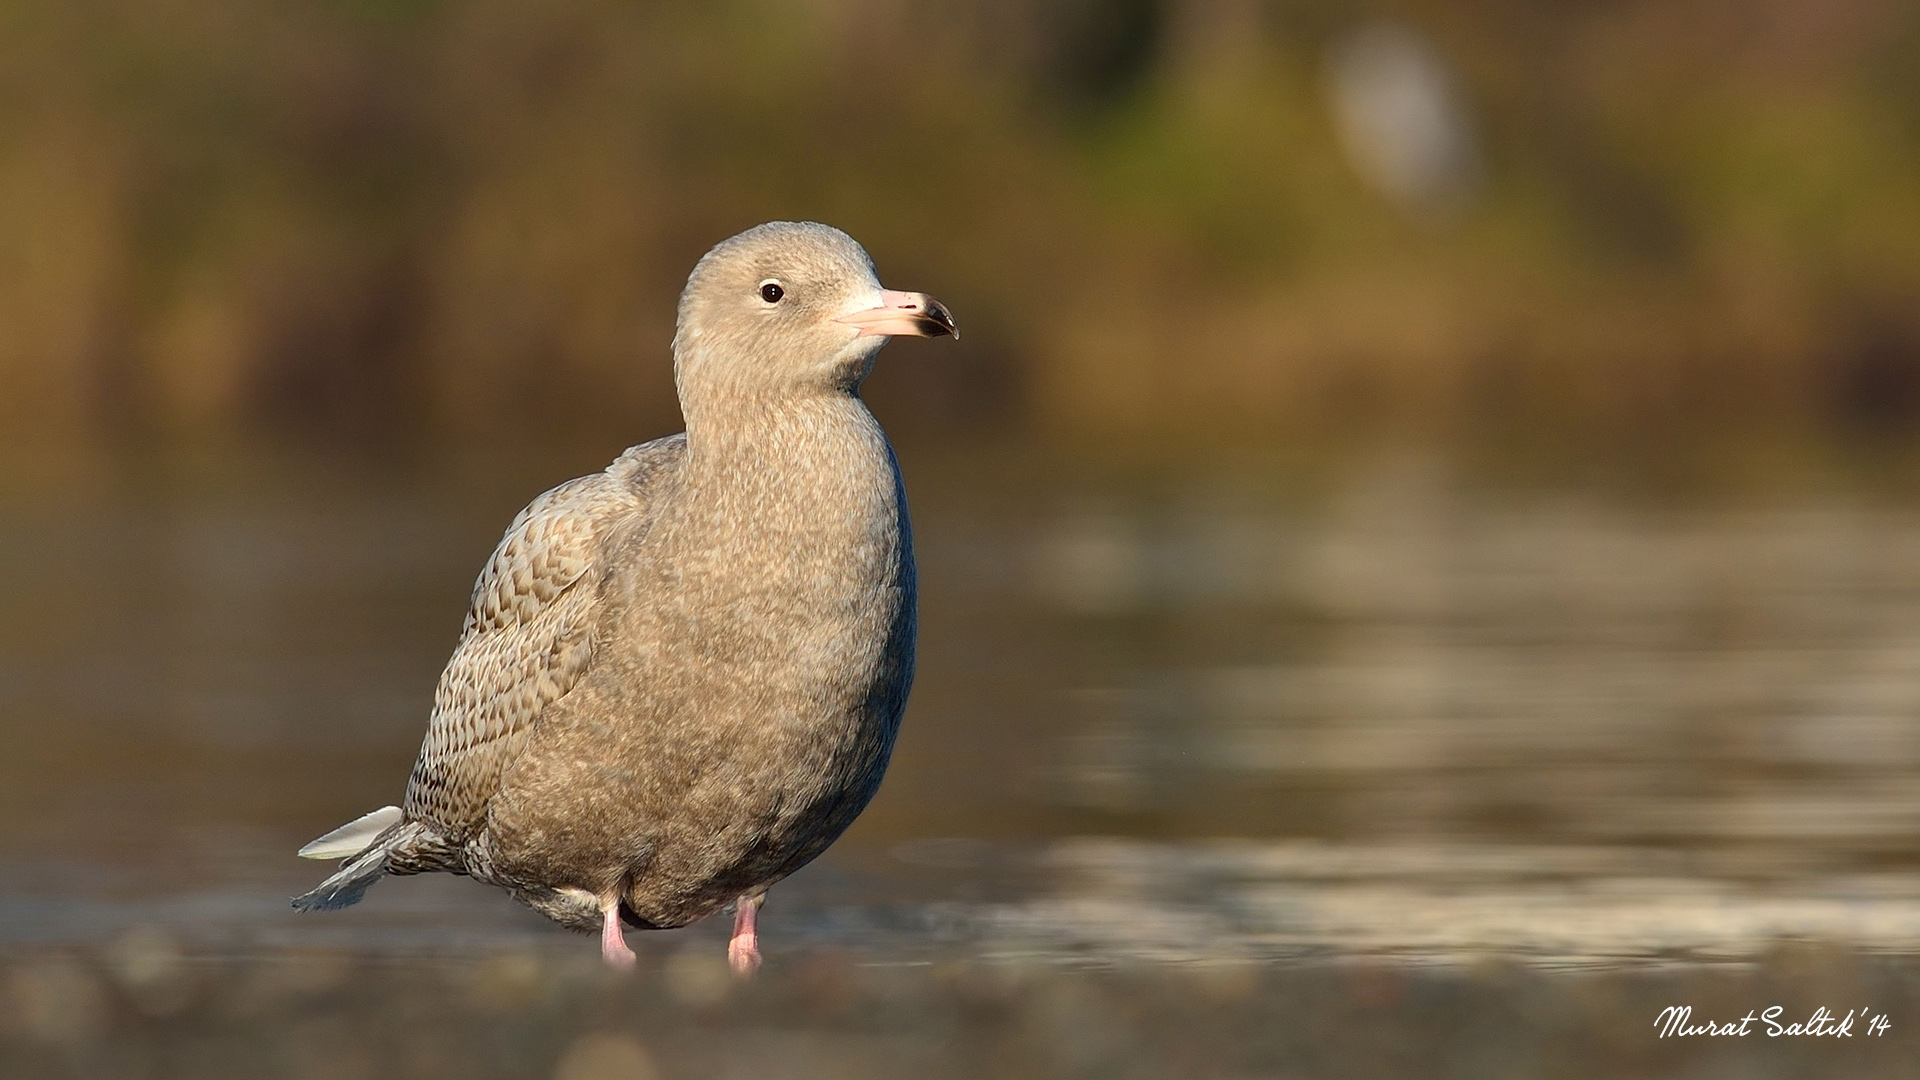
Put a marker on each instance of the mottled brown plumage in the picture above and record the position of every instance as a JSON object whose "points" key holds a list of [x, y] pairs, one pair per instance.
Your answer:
{"points": [[680, 679]]}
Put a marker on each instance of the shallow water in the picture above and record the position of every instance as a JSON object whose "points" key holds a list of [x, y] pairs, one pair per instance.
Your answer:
{"points": [[1398, 718]]}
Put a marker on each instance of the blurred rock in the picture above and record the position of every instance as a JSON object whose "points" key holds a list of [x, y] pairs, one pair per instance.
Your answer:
{"points": [[280, 981], [605, 1056], [1144, 1020], [508, 980], [697, 976], [149, 966], [329, 1048], [1077, 1027], [57, 1000]]}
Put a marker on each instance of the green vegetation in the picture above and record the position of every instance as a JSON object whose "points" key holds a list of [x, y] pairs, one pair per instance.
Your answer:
{"points": [[381, 216]]}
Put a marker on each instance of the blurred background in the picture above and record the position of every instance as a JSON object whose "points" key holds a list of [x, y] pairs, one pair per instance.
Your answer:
{"points": [[1419, 537]]}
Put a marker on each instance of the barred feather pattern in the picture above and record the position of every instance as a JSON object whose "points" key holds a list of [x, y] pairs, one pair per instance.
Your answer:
{"points": [[528, 636]]}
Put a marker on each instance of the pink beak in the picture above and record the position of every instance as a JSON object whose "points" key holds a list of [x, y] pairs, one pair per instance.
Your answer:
{"points": [[904, 313]]}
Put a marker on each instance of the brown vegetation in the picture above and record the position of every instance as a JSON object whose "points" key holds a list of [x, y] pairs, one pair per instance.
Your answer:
{"points": [[379, 216]]}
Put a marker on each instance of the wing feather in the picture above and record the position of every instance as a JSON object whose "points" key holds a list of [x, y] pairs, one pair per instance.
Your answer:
{"points": [[528, 636]]}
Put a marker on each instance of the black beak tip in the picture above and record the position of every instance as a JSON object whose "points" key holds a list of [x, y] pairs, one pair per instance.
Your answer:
{"points": [[938, 321]]}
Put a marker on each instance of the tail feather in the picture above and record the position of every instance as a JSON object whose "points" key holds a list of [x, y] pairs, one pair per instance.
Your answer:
{"points": [[354, 837], [350, 882]]}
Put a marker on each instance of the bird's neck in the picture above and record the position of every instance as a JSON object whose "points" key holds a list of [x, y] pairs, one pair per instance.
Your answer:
{"points": [[810, 447], [796, 498]]}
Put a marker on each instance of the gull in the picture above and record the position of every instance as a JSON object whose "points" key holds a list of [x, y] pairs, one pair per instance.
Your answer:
{"points": [[680, 679]]}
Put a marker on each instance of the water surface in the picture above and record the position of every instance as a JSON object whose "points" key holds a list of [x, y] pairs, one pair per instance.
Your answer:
{"points": [[1205, 717]]}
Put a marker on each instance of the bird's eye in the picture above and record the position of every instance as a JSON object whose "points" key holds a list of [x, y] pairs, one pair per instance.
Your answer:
{"points": [[771, 292]]}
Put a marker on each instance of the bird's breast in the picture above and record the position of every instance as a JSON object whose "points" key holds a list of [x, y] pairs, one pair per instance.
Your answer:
{"points": [[777, 590]]}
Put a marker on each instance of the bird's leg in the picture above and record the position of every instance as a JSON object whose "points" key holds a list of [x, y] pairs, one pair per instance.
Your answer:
{"points": [[613, 942], [743, 950]]}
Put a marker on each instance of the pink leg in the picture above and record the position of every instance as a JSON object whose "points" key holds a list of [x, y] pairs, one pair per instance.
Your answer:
{"points": [[743, 951], [613, 942]]}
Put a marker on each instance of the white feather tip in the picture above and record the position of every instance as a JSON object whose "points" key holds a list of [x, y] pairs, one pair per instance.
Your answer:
{"points": [[352, 838]]}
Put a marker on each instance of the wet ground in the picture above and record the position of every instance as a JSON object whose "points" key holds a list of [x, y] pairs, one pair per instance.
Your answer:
{"points": [[1220, 774]]}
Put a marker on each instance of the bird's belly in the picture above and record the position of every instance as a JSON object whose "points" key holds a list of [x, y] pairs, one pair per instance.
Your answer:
{"points": [[681, 786], [769, 804]]}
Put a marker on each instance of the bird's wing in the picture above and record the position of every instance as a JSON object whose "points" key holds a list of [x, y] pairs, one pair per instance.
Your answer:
{"points": [[528, 636]]}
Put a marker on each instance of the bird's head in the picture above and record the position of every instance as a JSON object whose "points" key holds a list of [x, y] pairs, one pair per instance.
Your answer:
{"points": [[790, 307]]}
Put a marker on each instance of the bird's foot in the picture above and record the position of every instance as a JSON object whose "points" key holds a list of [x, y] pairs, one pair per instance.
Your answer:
{"points": [[613, 942], [743, 954], [743, 949]]}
